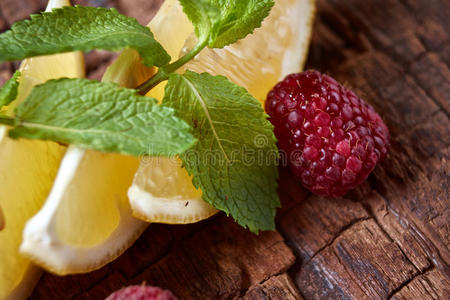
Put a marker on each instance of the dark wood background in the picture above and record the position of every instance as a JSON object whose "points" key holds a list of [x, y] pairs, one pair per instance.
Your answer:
{"points": [[387, 239]]}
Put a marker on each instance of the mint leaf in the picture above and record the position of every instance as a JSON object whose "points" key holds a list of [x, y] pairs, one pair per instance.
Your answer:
{"points": [[101, 116], [80, 28], [8, 92], [234, 162], [223, 22]]}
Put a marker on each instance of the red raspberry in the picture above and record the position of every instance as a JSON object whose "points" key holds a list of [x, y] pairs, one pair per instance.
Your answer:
{"points": [[332, 138], [141, 292]]}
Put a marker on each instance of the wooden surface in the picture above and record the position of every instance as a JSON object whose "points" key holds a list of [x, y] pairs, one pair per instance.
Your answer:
{"points": [[389, 239]]}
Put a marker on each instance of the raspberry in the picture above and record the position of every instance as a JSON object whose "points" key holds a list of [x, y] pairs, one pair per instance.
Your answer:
{"points": [[141, 292], [333, 139]]}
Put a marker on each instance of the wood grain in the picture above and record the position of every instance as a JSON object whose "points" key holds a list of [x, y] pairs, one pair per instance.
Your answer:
{"points": [[389, 238], [278, 287]]}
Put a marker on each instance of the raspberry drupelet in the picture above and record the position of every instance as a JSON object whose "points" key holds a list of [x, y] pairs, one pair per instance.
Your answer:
{"points": [[332, 138]]}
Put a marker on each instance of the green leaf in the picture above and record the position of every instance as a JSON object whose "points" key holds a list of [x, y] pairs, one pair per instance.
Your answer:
{"points": [[80, 28], [234, 162], [101, 116], [8, 92], [223, 22]]}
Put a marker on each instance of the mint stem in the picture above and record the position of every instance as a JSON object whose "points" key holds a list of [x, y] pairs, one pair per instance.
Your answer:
{"points": [[5, 120], [159, 77], [164, 72]]}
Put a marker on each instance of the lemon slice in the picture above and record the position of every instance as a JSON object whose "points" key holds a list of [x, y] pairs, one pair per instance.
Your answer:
{"points": [[166, 194], [162, 190], [86, 220], [27, 171]]}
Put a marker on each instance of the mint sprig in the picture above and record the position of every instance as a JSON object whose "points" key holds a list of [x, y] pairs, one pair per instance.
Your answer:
{"points": [[8, 92], [80, 28], [234, 162], [223, 22], [219, 130], [100, 116]]}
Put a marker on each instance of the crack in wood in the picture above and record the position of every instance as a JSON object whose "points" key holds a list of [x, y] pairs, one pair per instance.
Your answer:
{"points": [[338, 234], [404, 284], [427, 93], [369, 210], [428, 246]]}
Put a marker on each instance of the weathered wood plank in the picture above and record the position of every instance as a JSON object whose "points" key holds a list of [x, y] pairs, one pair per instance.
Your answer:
{"points": [[412, 246], [103, 289], [278, 287], [362, 263], [153, 245], [316, 222], [216, 259], [413, 180], [343, 253], [221, 261], [67, 287], [428, 286], [396, 65]]}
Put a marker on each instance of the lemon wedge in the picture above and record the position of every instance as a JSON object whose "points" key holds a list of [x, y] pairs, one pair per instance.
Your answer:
{"points": [[162, 190], [27, 171], [86, 220]]}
